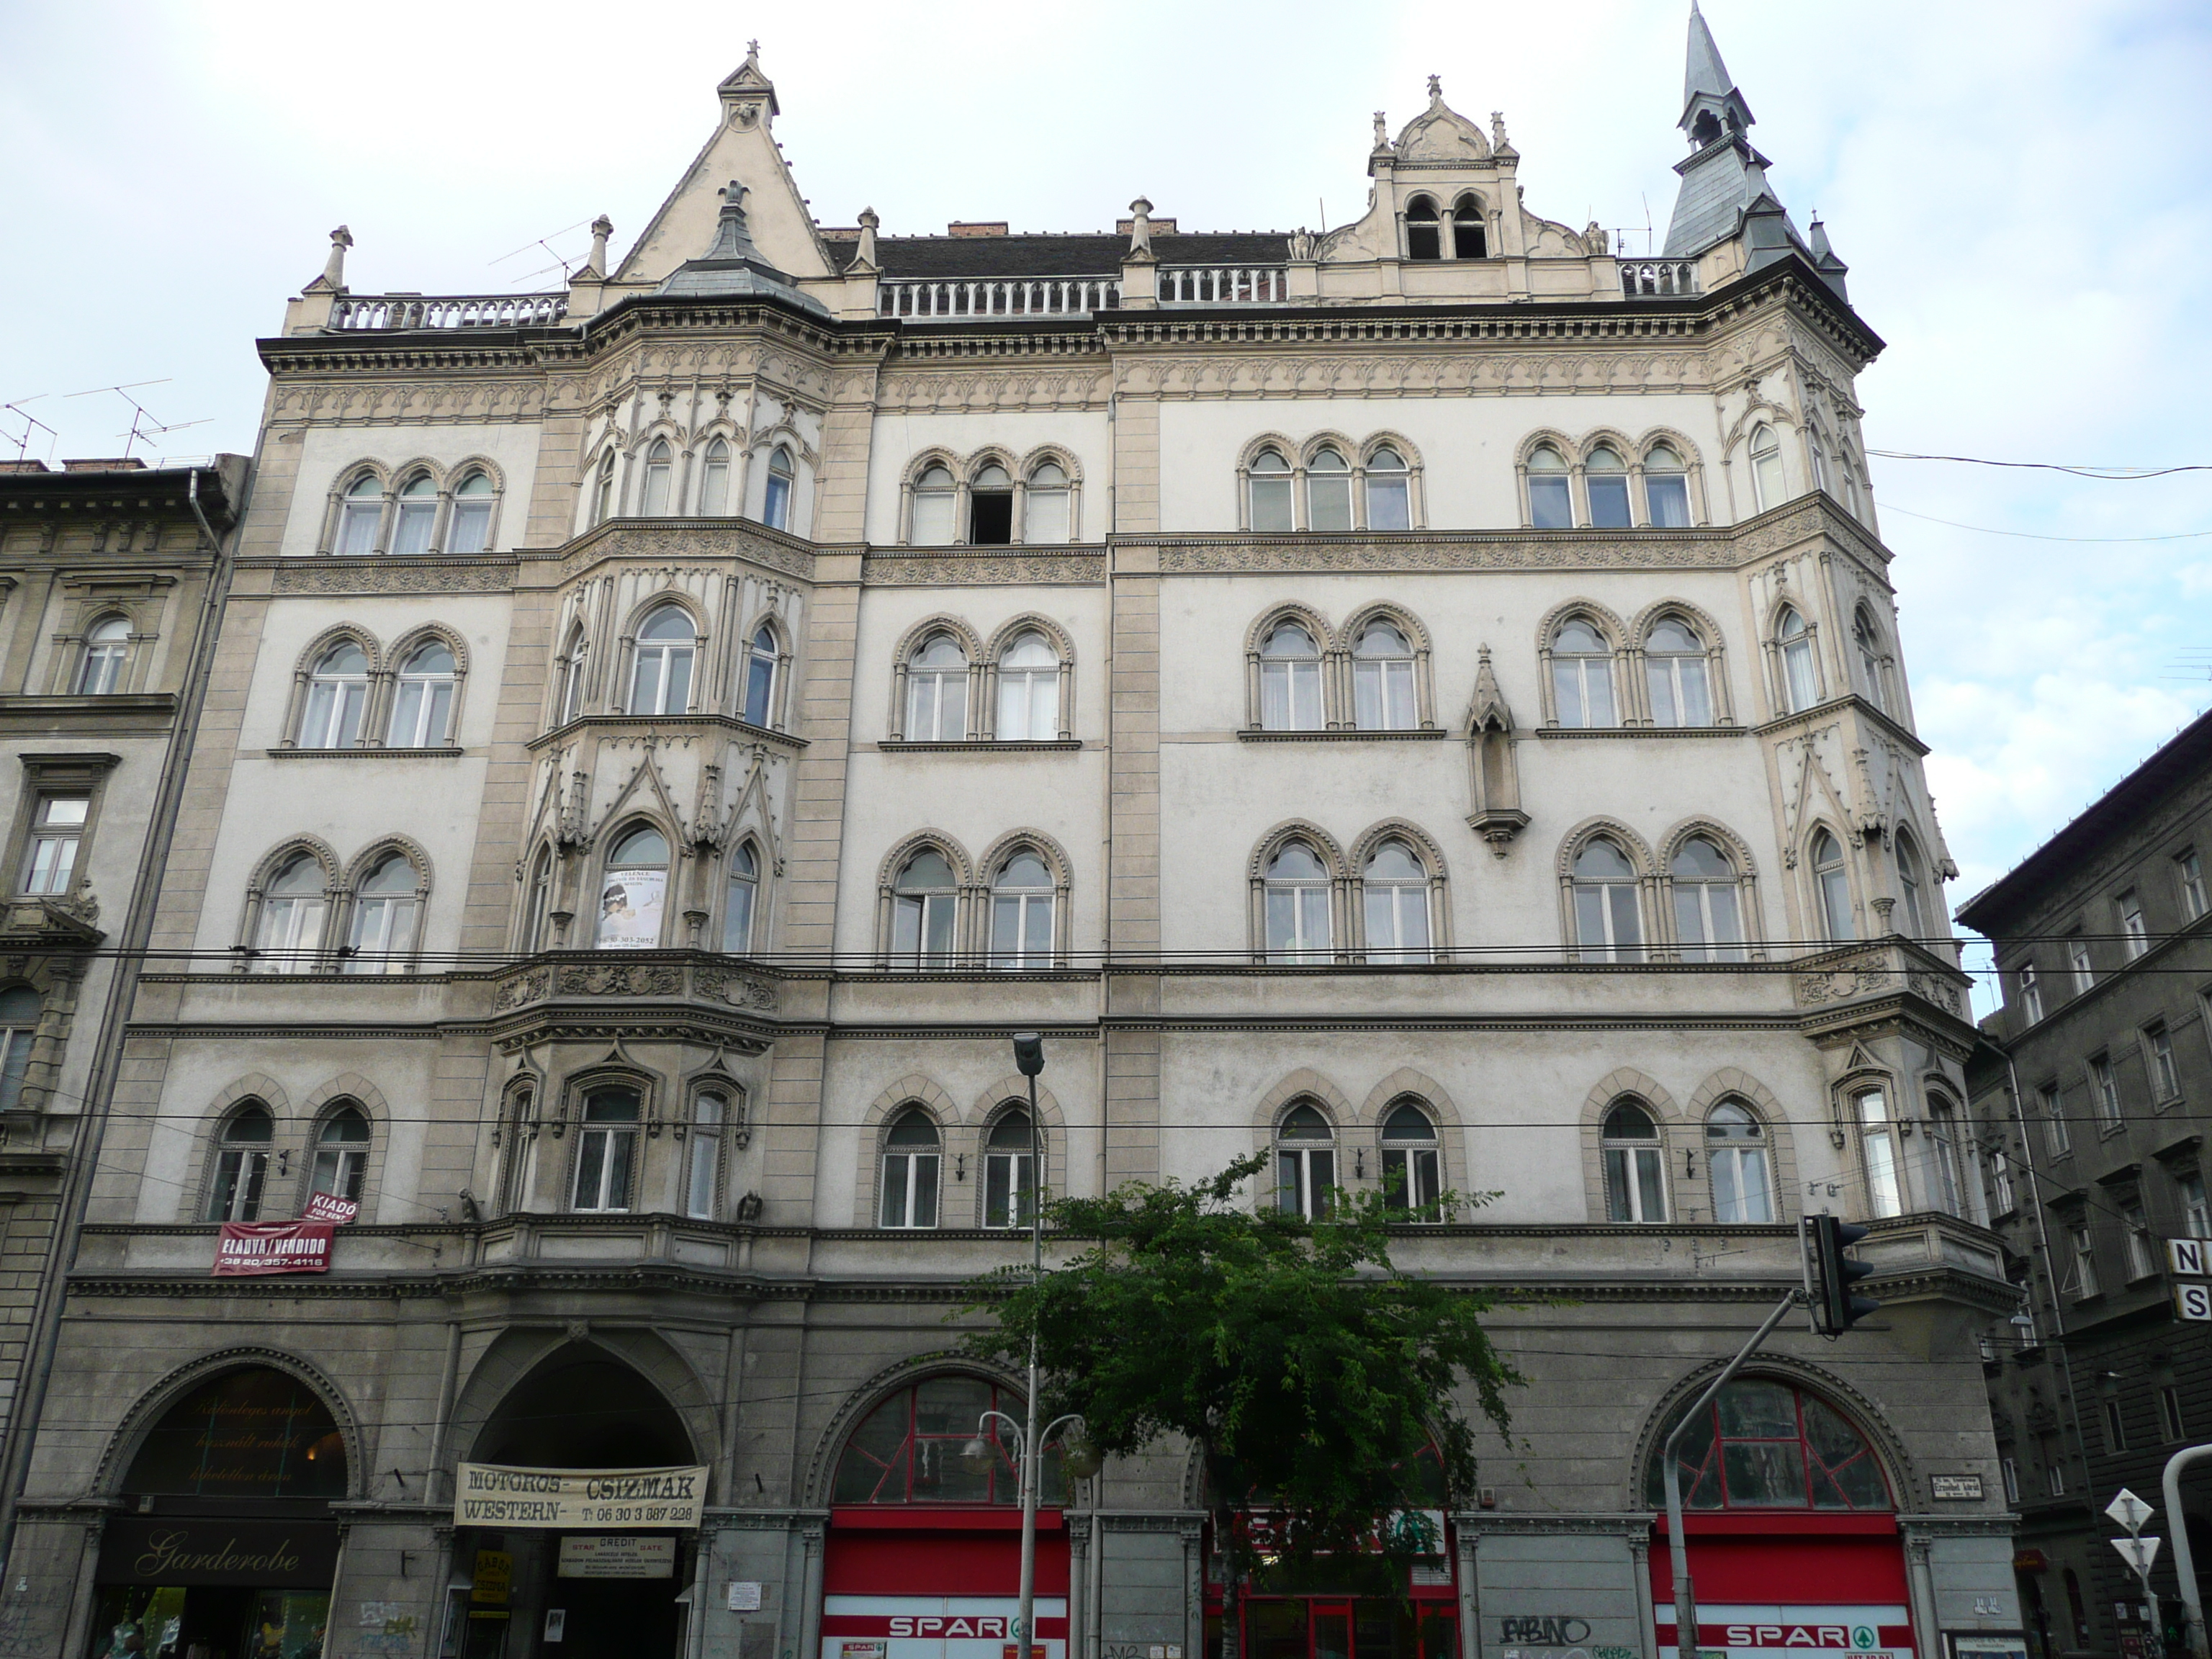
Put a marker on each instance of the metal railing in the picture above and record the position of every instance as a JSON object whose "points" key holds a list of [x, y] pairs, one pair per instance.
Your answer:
{"points": [[412, 311], [924, 301], [1657, 279], [1221, 285]]}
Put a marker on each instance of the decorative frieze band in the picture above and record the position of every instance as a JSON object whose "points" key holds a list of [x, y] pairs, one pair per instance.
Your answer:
{"points": [[937, 570], [451, 575]]}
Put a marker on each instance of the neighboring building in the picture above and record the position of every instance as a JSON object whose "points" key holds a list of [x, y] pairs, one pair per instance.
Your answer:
{"points": [[107, 574], [2092, 1095], [1421, 699]]}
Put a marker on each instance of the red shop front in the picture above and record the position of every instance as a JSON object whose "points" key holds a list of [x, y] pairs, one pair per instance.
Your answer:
{"points": [[1359, 1609], [920, 1583]]}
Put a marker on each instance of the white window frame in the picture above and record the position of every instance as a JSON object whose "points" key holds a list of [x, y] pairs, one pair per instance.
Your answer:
{"points": [[423, 701], [2078, 959], [2189, 873], [106, 649], [2196, 1206], [1575, 674], [1385, 686], [1417, 1161], [2031, 994], [1027, 909], [241, 1171], [1740, 1154], [1311, 936], [1028, 692], [1011, 1173], [2135, 932], [1306, 1176], [1632, 1167], [2081, 1256], [702, 1155], [612, 1143], [2158, 1050], [345, 698], [1671, 676], [1292, 697], [2105, 1091], [54, 850], [900, 1205], [2135, 1230], [1885, 1178], [341, 1166], [664, 654], [1403, 905], [415, 517], [929, 689], [2060, 1133], [381, 933], [762, 661]]}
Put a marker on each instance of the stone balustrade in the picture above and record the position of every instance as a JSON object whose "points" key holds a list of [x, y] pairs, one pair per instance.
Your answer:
{"points": [[389, 313], [928, 301]]}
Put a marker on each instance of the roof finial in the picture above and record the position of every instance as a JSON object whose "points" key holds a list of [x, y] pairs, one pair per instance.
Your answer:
{"points": [[1436, 89], [1141, 226], [334, 268], [1382, 132], [752, 53]]}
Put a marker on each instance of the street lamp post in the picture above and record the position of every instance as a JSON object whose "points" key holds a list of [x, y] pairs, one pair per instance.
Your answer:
{"points": [[1028, 1061], [1079, 1457]]}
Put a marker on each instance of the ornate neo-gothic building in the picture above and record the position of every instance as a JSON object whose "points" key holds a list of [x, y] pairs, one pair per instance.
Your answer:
{"points": [[1420, 699]]}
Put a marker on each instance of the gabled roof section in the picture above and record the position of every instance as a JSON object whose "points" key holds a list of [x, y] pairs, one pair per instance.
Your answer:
{"points": [[743, 147], [731, 268], [1441, 134]]}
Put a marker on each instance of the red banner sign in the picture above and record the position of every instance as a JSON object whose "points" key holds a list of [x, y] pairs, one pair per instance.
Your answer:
{"points": [[328, 1206], [251, 1250]]}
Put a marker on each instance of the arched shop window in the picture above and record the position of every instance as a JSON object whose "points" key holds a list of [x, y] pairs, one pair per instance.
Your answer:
{"points": [[1764, 1444], [253, 1433], [910, 1448]]}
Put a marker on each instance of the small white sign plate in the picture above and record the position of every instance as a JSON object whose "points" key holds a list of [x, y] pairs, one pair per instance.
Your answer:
{"points": [[2189, 1256]]}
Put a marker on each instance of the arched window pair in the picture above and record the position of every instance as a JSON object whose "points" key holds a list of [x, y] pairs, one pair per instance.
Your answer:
{"points": [[1381, 485], [1022, 911], [1309, 1169], [378, 917], [1679, 681], [1635, 1164], [414, 508], [935, 704], [1607, 488], [909, 1184], [1425, 237], [106, 650], [340, 689], [238, 1187], [1301, 689], [1040, 512], [1708, 900], [1397, 911]]}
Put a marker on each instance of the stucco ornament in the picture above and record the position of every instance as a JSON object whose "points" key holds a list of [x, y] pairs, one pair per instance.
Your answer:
{"points": [[1440, 133]]}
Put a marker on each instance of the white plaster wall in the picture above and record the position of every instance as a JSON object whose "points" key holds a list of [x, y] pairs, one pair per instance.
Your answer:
{"points": [[1465, 447], [896, 440], [325, 451]]}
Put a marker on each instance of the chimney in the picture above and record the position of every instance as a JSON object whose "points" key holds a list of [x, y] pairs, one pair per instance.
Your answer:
{"points": [[976, 228]]}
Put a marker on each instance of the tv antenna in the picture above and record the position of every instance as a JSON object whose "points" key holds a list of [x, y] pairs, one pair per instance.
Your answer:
{"points": [[30, 421], [144, 424]]}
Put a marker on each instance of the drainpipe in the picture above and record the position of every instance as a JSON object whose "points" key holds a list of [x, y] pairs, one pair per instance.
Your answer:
{"points": [[43, 1340]]}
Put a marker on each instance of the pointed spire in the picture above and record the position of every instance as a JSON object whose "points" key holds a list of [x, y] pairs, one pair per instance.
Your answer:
{"points": [[1711, 106], [1704, 71]]}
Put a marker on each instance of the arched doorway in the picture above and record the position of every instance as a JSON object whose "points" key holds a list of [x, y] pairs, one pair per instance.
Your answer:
{"points": [[225, 1541], [1791, 1524], [924, 1551], [576, 1519]]}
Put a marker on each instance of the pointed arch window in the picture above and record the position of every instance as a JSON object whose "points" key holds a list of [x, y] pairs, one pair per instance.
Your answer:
{"points": [[1676, 673], [1010, 1182], [1832, 883], [776, 501], [991, 506], [1468, 237], [934, 498], [1708, 903], [1394, 895], [1581, 676], [1666, 489], [1412, 1168], [241, 1164], [423, 710], [1867, 641], [536, 915], [1328, 491], [293, 910], [572, 676], [737, 911], [1735, 1161], [472, 527], [1762, 1444], [1551, 501], [387, 910], [714, 481], [1389, 491], [361, 512], [1606, 476], [1297, 901], [1269, 487], [633, 891], [1023, 902], [1801, 679], [602, 490], [418, 517], [659, 479], [1766, 468], [341, 1155], [661, 682], [908, 1449], [1305, 1164], [907, 1191], [1423, 238], [1609, 925], [1912, 889], [1382, 691], [107, 645], [760, 676], [1635, 1173], [937, 692], [710, 1111], [1290, 680], [19, 1025], [1046, 518], [337, 692], [925, 901], [1028, 690], [606, 1149]]}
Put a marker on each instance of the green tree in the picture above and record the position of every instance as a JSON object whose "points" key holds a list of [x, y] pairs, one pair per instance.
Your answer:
{"points": [[1312, 1371]]}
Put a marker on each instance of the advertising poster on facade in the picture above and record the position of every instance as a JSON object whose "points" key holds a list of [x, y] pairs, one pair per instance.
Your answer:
{"points": [[603, 1555], [629, 909], [329, 1207], [498, 1495], [253, 1249]]}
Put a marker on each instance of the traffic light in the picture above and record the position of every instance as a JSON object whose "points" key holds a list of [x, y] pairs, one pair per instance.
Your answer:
{"points": [[1830, 1274]]}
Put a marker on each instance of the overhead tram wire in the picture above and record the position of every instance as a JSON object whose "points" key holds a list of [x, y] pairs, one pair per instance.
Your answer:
{"points": [[2077, 469]]}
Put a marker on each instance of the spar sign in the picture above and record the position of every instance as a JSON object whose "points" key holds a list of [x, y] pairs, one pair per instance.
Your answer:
{"points": [[1849, 1631], [938, 1627]]}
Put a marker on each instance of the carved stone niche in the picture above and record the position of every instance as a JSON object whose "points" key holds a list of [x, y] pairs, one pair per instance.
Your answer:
{"points": [[1493, 773]]}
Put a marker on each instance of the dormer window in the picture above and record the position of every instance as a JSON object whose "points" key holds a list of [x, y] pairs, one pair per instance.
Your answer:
{"points": [[1469, 240], [991, 508], [1424, 236]]}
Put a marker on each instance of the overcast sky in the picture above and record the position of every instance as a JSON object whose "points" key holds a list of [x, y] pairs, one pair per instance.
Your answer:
{"points": [[2021, 190]]}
